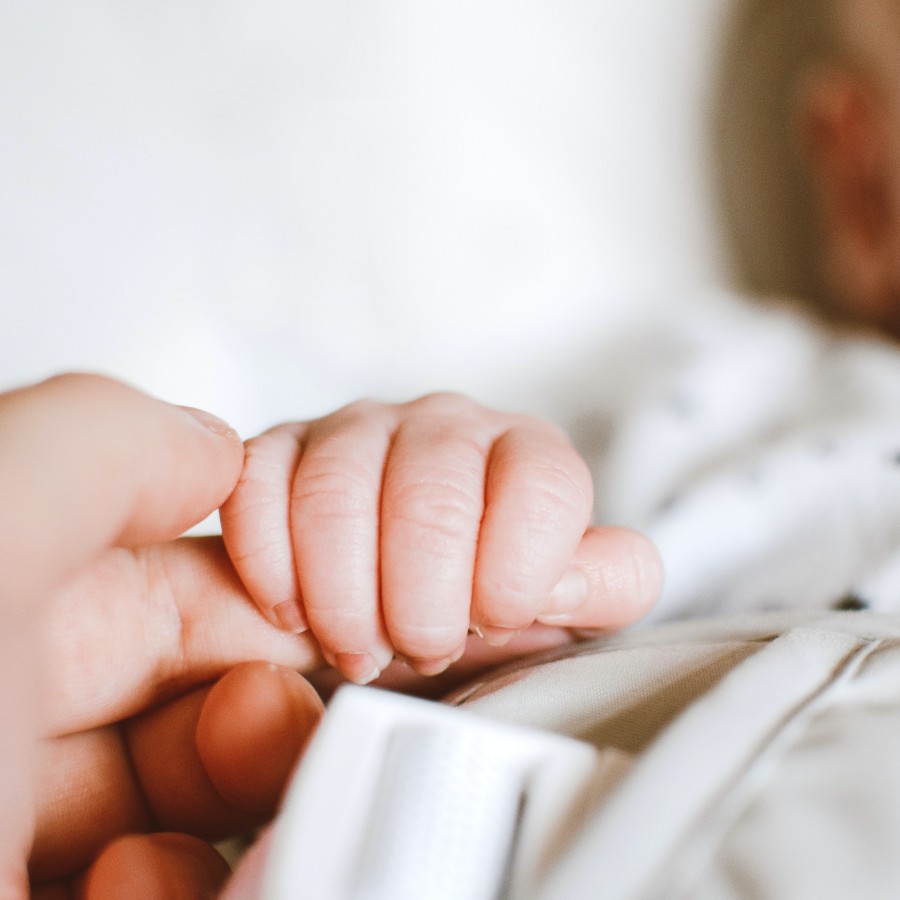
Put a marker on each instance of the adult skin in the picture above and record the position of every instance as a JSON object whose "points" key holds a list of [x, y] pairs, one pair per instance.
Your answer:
{"points": [[104, 670]]}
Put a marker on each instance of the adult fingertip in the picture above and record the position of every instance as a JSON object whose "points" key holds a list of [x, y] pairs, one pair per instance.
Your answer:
{"points": [[164, 866], [254, 725], [229, 448], [218, 427]]}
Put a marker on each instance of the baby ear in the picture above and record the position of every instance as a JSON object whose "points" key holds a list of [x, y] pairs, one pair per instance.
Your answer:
{"points": [[853, 159]]}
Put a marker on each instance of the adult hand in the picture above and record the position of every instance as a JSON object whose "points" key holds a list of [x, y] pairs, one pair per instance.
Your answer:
{"points": [[112, 720]]}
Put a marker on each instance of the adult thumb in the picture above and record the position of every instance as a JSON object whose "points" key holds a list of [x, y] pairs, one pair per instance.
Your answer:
{"points": [[87, 463]]}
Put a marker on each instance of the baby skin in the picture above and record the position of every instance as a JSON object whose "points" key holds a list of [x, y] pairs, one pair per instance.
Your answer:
{"points": [[393, 531]]}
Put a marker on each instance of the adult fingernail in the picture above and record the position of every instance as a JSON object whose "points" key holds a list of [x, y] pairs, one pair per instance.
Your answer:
{"points": [[290, 617], [358, 667], [209, 421], [570, 593]]}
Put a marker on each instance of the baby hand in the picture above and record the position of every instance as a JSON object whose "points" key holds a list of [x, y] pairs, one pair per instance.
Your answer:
{"points": [[399, 528]]}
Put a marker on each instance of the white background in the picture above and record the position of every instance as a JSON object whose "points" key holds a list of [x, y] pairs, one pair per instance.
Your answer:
{"points": [[268, 208]]}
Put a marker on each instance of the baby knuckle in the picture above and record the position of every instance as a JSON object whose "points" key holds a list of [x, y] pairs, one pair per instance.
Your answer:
{"points": [[445, 402], [512, 603], [260, 466], [440, 513], [364, 409], [333, 487], [540, 505], [556, 493]]}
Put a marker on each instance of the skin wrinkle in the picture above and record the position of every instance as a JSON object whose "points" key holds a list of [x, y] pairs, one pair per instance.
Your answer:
{"points": [[330, 487], [191, 644], [280, 559], [547, 517], [249, 505], [258, 466], [138, 785], [581, 486], [444, 499], [424, 475], [171, 651], [192, 640], [80, 661], [62, 803], [362, 504], [516, 586], [446, 515], [285, 557]]}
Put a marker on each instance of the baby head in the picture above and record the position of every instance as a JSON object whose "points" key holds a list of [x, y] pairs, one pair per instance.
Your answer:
{"points": [[807, 129]]}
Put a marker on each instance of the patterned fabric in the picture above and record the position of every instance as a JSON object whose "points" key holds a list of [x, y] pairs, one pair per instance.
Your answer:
{"points": [[761, 452]]}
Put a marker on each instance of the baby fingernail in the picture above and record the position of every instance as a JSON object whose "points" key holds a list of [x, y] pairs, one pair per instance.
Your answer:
{"points": [[497, 637], [431, 666], [383, 656], [569, 595], [290, 617], [436, 666], [358, 667]]}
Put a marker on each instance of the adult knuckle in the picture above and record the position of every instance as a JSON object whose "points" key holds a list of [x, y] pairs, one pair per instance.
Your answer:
{"points": [[93, 392]]}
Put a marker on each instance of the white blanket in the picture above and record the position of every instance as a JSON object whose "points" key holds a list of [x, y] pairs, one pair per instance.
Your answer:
{"points": [[761, 452]]}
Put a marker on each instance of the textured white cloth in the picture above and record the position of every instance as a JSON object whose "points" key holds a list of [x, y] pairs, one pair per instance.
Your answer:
{"points": [[761, 452]]}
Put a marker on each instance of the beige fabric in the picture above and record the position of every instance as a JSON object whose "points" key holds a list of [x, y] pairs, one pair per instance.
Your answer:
{"points": [[619, 697], [766, 762]]}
